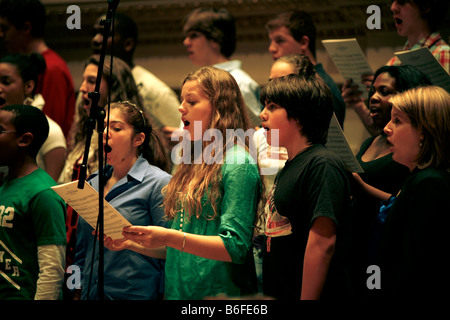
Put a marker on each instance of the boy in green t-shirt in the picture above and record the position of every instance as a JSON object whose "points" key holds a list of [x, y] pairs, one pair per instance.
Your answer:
{"points": [[32, 215]]}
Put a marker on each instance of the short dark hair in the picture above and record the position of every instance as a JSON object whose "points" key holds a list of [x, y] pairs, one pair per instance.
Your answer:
{"points": [[406, 77], [126, 27], [30, 119], [215, 24], [28, 66], [20, 11], [432, 11], [299, 23], [306, 99]]}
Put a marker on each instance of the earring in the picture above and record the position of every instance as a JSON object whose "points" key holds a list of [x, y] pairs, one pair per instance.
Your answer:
{"points": [[421, 144]]}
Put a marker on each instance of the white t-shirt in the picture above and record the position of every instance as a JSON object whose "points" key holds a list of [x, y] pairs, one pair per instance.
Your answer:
{"points": [[55, 139], [160, 101]]}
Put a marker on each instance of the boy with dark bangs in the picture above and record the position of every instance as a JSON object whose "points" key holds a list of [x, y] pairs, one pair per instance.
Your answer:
{"points": [[305, 212]]}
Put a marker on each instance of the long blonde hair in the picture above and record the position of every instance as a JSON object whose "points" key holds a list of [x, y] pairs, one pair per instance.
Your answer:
{"points": [[191, 181]]}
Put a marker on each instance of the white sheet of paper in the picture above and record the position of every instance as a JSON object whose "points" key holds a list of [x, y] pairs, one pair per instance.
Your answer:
{"points": [[349, 59], [85, 203], [338, 144], [423, 59]]}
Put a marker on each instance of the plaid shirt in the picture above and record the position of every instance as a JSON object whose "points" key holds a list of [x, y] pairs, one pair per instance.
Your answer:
{"points": [[438, 47]]}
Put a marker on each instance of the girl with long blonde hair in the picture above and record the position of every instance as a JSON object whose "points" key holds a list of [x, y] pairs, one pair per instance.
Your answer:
{"points": [[211, 205]]}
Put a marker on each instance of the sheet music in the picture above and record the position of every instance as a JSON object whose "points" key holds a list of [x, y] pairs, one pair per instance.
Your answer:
{"points": [[85, 203], [339, 144], [349, 59], [423, 59]]}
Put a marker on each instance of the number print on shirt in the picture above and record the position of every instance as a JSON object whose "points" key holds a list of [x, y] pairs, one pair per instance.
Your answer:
{"points": [[6, 216]]}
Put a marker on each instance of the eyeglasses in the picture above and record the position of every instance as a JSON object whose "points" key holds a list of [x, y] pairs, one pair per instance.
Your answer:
{"points": [[5, 131]]}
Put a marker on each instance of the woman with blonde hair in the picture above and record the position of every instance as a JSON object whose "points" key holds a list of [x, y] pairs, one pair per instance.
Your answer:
{"points": [[428, 109], [211, 205], [415, 222]]}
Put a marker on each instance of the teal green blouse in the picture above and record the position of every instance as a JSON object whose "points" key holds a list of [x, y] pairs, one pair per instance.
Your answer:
{"points": [[189, 277]]}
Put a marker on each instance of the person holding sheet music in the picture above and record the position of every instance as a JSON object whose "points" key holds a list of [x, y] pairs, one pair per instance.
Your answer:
{"points": [[380, 170], [306, 209], [412, 237], [211, 207], [133, 186], [419, 21], [123, 88]]}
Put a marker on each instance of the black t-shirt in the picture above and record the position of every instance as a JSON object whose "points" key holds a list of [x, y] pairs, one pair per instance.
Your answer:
{"points": [[313, 184]]}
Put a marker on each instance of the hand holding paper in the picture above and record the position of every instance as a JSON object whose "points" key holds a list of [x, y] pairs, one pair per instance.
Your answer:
{"points": [[350, 60], [423, 59], [85, 202]]}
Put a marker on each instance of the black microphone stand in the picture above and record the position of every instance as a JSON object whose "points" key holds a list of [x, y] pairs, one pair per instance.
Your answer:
{"points": [[97, 116]]}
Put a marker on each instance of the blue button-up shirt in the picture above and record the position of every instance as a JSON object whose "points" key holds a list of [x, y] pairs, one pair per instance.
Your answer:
{"points": [[128, 275]]}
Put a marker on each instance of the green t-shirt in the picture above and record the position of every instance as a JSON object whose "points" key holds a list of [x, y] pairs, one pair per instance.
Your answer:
{"points": [[31, 215], [191, 277]]}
